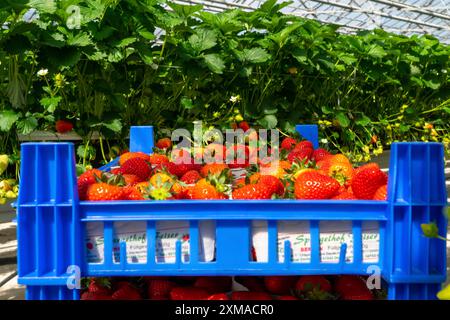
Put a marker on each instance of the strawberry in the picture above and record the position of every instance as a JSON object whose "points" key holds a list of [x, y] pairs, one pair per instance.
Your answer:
{"points": [[288, 143], [352, 288], [251, 283], [300, 154], [214, 284], [164, 143], [131, 179], [320, 154], [366, 182], [158, 159], [159, 289], [305, 144], [99, 286], [249, 295], [116, 171], [126, 291], [188, 293], [237, 156], [102, 191], [273, 183], [129, 155], [191, 177], [179, 169], [309, 283], [131, 193], [244, 125], [209, 188], [218, 296], [160, 178], [85, 180], [381, 193], [137, 166], [313, 185], [213, 168], [252, 192], [344, 195], [340, 167], [95, 296], [63, 126], [279, 284]]}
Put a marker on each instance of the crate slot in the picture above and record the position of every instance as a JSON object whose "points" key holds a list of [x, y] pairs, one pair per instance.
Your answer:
{"points": [[332, 235], [108, 235], [151, 242]]}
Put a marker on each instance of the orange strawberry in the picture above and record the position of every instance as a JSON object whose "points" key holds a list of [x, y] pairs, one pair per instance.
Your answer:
{"points": [[314, 185], [102, 191], [164, 143], [213, 168], [129, 155], [345, 195], [340, 168], [160, 178], [158, 159], [131, 179], [381, 193], [131, 193], [211, 187], [273, 183]]}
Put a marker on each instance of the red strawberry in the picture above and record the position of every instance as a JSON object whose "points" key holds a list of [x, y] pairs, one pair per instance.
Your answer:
{"points": [[99, 286], [252, 192], [381, 193], [251, 283], [214, 284], [279, 284], [126, 291], [159, 289], [191, 177], [248, 295], [188, 293], [300, 154], [237, 156], [181, 168], [138, 167], [305, 144], [366, 182], [344, 195], [244, 125], [116, 171], [85, 180], [218, 296], [352, 288], [288, 143], [164, 143], [273, 183], [309, 283], [95, 296], [63, 126], [320, 154], [313, 185], [287, 298]]}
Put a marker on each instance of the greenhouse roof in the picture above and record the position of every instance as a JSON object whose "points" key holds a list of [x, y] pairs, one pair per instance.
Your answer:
{"points": [[405, 17]]}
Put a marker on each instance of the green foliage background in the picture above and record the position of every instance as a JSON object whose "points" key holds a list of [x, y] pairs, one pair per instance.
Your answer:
{"points": [[111, 72]]}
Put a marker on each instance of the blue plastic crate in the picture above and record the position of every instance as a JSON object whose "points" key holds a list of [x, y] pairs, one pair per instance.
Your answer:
{"points": [[52, 223]]}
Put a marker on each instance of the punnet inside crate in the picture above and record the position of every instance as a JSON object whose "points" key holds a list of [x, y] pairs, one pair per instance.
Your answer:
{"points": [[53, 227]]}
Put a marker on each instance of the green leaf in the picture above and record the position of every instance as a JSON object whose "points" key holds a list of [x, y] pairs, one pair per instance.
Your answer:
{"points": [[43, 6], [363, 121], [183, 10], [430, 230], [300, 54], [433, 83], [347, 58], [81, 39], [343, 120], [147, 34], [253, 55], [187, 103], [7, 119], [88, 152], [113, 125], [327, 110], [214, 63], [447, 109], [376, 51], [269, 121], [50, 103], [202, 40], [27, 125], [125, 42]]}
